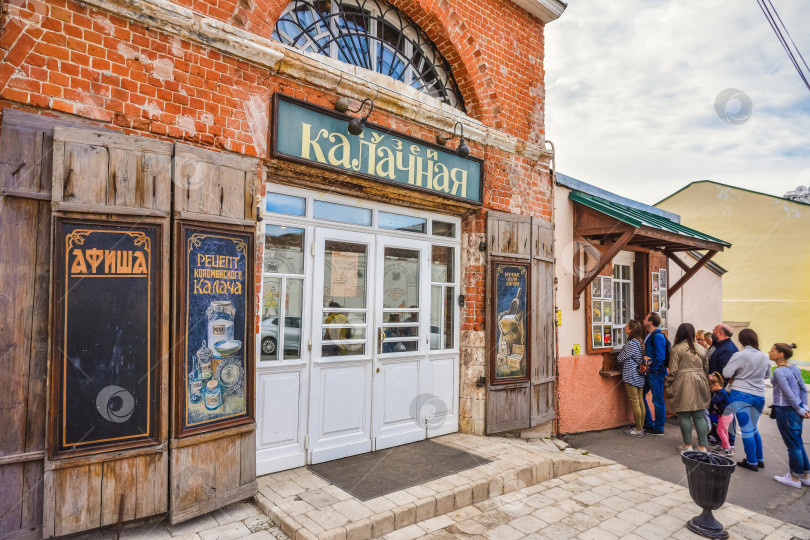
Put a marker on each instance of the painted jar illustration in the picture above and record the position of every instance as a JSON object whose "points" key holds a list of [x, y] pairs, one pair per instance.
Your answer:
{"points": [[220, 315], [213, 395], [195, 383], [204, 355]]}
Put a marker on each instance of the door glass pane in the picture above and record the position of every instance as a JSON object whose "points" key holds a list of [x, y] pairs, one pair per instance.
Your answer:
{"points": [[449, 298], [283, 250], [402, 223], [441, 264], [294, 309], [286, 204], [271, 311], [400, 290], [344, 275], [342, 213], [400, 278], [343, 332], [436, 317]]}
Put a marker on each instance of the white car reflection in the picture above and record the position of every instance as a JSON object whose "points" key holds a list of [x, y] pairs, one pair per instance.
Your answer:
{"points": [[269, 335]]}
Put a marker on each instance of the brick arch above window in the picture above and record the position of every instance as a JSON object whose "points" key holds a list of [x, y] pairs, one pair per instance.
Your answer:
{"points": [[454, 39], [373, 35]]}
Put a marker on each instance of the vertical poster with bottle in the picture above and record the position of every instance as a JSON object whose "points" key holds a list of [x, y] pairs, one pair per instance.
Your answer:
{"points": [[215, 314]]}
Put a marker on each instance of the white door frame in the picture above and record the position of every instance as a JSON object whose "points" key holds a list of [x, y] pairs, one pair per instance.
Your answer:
{"points": [[288, 422], [401, 378], [341, 391]]}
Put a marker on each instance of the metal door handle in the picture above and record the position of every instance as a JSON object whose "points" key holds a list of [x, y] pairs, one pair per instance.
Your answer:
{"points": [[380, 339]]}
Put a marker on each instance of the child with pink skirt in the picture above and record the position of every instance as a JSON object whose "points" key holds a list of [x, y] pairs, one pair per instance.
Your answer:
{"points": [[719, 408]]}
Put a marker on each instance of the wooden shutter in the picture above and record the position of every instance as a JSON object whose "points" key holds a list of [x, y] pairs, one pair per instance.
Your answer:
{"points": [[213, 468], [113, 178], [543, 349], [508, 405], [108, 172], [213, 187], [25, 236]]}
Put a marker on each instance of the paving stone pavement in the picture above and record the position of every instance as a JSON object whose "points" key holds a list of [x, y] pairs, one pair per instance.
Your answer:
{"points": [[601, 503]]}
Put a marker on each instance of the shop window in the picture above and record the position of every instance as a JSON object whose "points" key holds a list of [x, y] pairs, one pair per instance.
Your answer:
{"points": [[282, 293], [398, 222], [601, 312], [622, 301], [443, 228], [342, 213], [660, 303], [442, 295], [373, 35], [278, 203]]}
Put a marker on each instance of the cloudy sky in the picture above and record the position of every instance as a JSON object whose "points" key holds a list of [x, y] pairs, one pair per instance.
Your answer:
{"points": [[632, 87]]}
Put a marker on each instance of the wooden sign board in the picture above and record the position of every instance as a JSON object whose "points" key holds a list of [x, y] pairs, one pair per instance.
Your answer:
{"points": [[214, 382], [106, 338]]}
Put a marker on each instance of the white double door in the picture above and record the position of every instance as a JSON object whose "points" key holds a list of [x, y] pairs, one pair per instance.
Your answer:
{"points": [[368, 381]]}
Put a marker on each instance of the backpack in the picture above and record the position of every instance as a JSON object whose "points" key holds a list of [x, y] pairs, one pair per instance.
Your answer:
{"points": [[667, 347], [644, 366]]}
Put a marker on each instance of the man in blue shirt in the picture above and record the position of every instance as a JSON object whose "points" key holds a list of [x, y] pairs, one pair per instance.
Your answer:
{"points": [[655, 347]]}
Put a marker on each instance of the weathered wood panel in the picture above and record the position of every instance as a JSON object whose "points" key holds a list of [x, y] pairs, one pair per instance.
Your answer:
{"points": [[25, 169], [508, 235], [77, 498], [543, 323], [508, 406], [109, 169], [215, 184], [152, 489], [211, 470]]}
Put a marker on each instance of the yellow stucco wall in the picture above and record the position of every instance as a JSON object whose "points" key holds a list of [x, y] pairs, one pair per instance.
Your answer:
{"points": [[767, 281]]}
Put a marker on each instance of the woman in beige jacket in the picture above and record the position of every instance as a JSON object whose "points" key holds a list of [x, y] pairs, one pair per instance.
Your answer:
{"points": [[688, 386]]}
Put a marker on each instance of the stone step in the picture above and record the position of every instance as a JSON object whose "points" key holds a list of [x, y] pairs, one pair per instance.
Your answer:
{"points": [[307, 507]]}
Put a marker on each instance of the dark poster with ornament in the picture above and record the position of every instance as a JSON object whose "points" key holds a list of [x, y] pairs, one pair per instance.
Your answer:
{"points": [[107, 300]]}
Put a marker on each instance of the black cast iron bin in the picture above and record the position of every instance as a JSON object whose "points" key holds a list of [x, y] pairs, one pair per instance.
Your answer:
{"points": [[708, 476]]}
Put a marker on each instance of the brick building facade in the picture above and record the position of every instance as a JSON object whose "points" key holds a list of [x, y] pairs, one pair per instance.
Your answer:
{"points": [[200, 77]]}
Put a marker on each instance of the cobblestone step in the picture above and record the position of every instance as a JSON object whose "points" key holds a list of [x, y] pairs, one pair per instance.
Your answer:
{"points": [[306, 507]]}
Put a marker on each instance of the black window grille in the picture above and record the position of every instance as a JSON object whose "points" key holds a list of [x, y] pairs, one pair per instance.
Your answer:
{"points": [[372, 35]]}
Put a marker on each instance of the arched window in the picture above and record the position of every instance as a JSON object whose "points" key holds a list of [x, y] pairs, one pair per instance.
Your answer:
{"points": [[372, 35]]}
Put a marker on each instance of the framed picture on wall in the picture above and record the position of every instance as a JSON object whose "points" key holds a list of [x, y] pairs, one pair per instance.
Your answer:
{"points": [[655, 282], [656, 303], [607, 287], [662, 279], [512, 315]]}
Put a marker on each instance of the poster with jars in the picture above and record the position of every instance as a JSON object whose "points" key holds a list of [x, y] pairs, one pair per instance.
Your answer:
{"points": [[217, 354]]}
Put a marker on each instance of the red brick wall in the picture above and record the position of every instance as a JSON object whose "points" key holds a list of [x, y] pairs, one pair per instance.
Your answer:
{"points": [[61, 56]]}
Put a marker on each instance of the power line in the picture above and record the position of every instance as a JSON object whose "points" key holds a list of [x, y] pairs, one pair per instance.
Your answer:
{"points": [[781, 31]]}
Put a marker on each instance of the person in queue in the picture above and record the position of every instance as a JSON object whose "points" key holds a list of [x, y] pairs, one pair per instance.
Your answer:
{"points": [[724, 348], [748, 369], [790, 410], [688, 386], [655, 346], [631, 357]]}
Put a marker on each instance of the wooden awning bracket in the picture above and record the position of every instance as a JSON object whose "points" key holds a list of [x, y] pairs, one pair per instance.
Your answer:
{"points": [[582, 284], [688, 272]]}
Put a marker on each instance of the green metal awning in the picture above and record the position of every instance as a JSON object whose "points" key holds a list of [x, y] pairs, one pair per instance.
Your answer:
{"points": [[649, 223]]}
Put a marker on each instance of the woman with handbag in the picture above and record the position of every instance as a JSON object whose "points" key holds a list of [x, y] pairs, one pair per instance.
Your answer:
{"points": [[632, 357], [748, 370], [790, 409], [688, 386]]}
